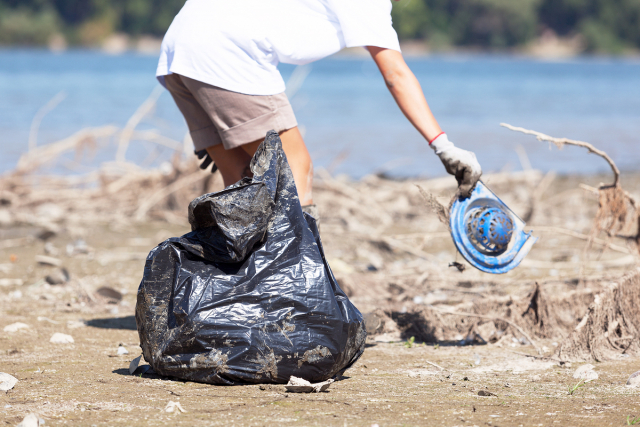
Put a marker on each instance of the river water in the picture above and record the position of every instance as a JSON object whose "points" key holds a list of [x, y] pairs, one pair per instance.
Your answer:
{"points": [[350, 122]]}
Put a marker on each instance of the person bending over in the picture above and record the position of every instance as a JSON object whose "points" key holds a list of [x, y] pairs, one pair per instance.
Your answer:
{"points": [[219, 61]]}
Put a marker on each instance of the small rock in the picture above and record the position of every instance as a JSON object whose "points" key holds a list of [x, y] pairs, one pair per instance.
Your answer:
{"points": [[122, 351], [78, 247], [75, 324], [48, 260], [11, 282], [486, 393], [5, 217], [174, 407], [373, 323], [58, 277], [263, 387], [7, 382], [586, 372], [110, 294], [59, 338], [634, 379], [15, 295], [51, 250], [15, 327], [30, 420], [299, 385]]}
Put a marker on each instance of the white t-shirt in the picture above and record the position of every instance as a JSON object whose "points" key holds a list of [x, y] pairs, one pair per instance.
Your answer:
{"points": [[237, 44]]}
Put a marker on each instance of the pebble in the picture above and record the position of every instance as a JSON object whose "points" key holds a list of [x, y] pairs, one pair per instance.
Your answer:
{"points": [[7, 382], [109, 294], [11, 282], [585, 372], [58, 277], [48, 260], [74, 324], [30, 420], [15, 327], [634, 379], [486, 393], [59, 338]]}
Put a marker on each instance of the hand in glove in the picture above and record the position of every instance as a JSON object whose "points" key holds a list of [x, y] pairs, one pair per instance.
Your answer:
{"points": [[458, 162], [207, 160]]}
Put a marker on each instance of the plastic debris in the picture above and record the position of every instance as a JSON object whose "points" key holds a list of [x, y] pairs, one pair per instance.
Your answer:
{"points": [[31, 420], [247, 296], [134, 364], [7, 382], [15, 327], [299, 385], [59, 338], [174, 407]]}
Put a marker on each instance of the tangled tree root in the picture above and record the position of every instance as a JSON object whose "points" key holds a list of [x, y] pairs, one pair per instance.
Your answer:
{"points": [[611, 325]]}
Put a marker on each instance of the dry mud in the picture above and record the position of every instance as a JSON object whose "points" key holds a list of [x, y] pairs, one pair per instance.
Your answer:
{"points": [[391, 255]]}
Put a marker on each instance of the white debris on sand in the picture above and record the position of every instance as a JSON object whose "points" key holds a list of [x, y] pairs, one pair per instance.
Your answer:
{"points": [[7, 382], [586, 372], [299, 385], [122, 351], [174, 407], [15, 327], [74, 324], [30, 420], [59, 338], [634, 380]]}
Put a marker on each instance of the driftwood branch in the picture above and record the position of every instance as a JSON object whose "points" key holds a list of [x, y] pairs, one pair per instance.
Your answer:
{"points": [[560, 142]]}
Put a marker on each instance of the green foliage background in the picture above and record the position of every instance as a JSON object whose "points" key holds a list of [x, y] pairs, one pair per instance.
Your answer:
{"points": [[611, 26]]}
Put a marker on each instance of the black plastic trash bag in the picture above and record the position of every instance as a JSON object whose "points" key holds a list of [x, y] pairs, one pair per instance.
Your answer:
{"points": [[247, 296]]}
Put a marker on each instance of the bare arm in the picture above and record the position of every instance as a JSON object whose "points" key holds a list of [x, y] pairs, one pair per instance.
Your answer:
{"points": [[406, 90]]}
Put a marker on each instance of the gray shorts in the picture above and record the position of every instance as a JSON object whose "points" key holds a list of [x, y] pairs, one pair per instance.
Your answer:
{"points": [[219, 116]]}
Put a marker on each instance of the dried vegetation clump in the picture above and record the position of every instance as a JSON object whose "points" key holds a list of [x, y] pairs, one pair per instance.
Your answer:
{"points": [[389, 251]]}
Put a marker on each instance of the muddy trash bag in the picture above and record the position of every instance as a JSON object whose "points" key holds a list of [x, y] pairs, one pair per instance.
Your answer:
{"points": [[247, 296]]}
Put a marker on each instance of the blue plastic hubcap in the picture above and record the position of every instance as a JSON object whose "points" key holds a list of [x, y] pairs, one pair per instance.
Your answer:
{"points": [[489, 229]]}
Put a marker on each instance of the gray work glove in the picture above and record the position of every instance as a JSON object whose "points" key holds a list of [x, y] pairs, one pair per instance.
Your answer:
{"points": [[458, 162]]}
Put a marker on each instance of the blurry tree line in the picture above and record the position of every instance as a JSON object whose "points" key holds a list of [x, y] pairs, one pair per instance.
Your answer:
{"points": [[603, 25]]}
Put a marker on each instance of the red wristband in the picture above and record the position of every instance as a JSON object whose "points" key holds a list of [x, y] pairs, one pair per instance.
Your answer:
{"points": [[437, 136]]}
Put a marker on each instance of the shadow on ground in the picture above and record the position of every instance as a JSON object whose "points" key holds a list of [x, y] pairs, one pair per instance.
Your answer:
{"points": [[127, 322]]}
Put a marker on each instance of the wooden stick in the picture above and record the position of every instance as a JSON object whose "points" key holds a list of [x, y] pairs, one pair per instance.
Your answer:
{"points": [[35, 123], [582, 237], [41, 155], [164, 192], [134, 120], [559, 142], [482, 316]]}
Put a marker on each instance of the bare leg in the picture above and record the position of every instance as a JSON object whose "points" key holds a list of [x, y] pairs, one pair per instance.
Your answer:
{"points": [[233, 164], [299, 161]]}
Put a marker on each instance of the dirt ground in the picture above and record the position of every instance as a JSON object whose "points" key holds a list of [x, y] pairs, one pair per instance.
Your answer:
{"points": [[396, 258]]}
